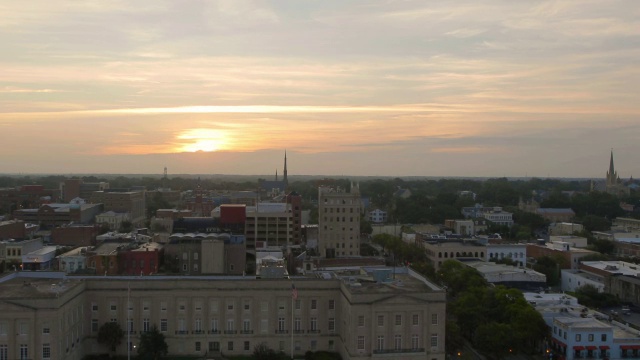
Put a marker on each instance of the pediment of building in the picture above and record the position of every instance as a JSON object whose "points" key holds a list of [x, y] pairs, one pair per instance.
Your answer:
{"points": [[399, 300]]}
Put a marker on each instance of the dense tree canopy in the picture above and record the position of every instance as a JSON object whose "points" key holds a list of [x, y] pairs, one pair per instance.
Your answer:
{"points": [[111, 335], [498, 321], [152, 345]]}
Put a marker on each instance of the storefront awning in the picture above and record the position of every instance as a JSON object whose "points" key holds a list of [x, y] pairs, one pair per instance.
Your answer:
{"points": [[604, 347], [592, 347], [578, 347], [629, 347], [558, 342]]}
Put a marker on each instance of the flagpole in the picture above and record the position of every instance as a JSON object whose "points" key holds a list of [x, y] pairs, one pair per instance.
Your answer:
{"points": [[128, 327], [292, 300]]}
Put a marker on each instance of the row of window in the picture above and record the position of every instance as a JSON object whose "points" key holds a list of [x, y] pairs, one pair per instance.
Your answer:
{"points": [[397, 342], [590, 337], [230, 325], [344, 210], [214, 346], [24, 352], [338, 201], [415, 320], [214, 305]]}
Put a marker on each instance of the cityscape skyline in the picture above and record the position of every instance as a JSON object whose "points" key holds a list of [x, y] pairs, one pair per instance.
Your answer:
{"points": [[409, 88]]}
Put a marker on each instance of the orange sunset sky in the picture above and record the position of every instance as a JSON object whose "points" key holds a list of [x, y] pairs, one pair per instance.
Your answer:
{"points": [[389, 88]]}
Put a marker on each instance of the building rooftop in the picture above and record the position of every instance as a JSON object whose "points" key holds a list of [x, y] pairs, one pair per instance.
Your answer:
{"points": [[17, 287], [615, 267]]}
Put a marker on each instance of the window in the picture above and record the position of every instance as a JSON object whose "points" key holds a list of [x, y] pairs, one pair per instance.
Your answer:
{"points": [[332, 304], [314, 324], [163, 306], [314, 344], [214, 325], [298, 303], [280, 324], [181, 307], [434, 340], [361, 320], [130, 325], [332, 324], [380, 343], [397, 342], [46, 330], [230, 325], [398, 320], [145, 306], [380, 320], [163, 325], [314, 304], [360, 345], [114, 307], [264, 306], [434, 319], [247, 306], [415, 319], [24, 352], [198, 325], [145, 325], [264, 326], [198, 346], [114, 320], [4, 352], [94, 307], [214, 346], [46, 351], [296, 324], [230, 346], [578, 337], [331, 347], [603, 337], [230, 306], [590, 337], [415, 343], [246, 325], [247, 345]]}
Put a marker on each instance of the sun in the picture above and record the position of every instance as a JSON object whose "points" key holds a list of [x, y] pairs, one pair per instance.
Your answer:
{"points": [[206, 140]]}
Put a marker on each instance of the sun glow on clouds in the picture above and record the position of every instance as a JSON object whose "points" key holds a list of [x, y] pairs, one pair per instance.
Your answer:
{"points": [[208, 140]]}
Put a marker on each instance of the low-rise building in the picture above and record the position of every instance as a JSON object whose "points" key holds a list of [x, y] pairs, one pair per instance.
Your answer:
{"points": [[574, 241], [11, 251], [52, 215], [580, 333], [41, 259], [75, 235], [441, 251], [571, 256], [378, 216], [498, 216], [73, 261], [506, 275], [515, 252], [349, 313], [556, 214], [564, 228], [113, 219]]}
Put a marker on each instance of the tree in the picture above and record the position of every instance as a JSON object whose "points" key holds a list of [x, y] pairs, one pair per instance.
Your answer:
{"points": [[125, 226], [152, 345], [263, 352], [110, 334]]}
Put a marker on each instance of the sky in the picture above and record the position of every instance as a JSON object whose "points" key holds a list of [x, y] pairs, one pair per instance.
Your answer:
{"points": [[379, 88]]}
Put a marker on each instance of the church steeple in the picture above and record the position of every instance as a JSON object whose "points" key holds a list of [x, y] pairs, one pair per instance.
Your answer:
{"points": [[284, 175], [612, 176]]}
